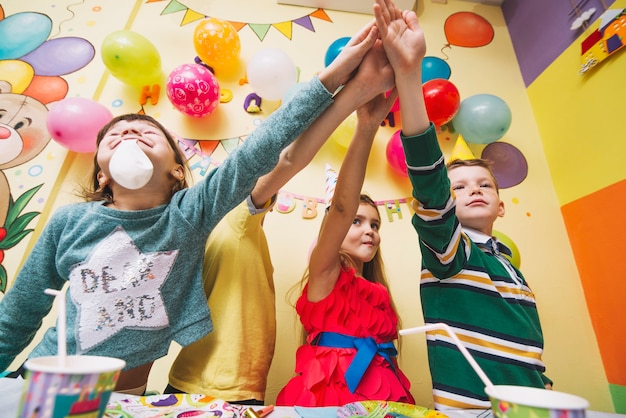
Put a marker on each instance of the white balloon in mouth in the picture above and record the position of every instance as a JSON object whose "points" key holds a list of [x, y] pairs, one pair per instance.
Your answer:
{"points": [[130, 167]]}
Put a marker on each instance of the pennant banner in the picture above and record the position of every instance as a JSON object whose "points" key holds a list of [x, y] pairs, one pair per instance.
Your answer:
{"points": [[259, 29]]}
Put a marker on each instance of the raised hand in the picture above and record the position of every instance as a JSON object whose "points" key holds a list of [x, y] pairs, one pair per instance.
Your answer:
{"points": [[343, 66], [401, 35]]}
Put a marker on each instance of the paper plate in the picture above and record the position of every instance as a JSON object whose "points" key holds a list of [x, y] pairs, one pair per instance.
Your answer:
{"points": [[384, 409], [170, 406]]}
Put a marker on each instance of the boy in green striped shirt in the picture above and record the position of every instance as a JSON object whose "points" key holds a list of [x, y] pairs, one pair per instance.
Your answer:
{"points": [[466, 281]]}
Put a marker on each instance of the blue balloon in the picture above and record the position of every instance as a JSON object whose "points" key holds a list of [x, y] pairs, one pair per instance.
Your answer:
{"points": [[482, 119], [433, 67], [335, 49], [22, 33]]}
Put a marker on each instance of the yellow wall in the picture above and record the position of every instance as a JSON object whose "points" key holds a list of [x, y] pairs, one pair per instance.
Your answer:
{"points": [[533, 217]]}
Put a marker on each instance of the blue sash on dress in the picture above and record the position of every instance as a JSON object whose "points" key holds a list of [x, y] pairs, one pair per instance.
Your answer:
{"points": [[366, 350]]}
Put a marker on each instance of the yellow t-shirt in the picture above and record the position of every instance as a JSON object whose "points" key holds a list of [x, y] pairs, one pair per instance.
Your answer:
{"points": [[233, 361]]}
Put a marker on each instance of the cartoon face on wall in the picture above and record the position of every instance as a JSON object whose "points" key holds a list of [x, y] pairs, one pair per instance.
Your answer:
{"points": [[23, 135]]}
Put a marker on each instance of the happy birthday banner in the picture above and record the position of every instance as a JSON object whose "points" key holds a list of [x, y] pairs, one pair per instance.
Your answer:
{"points": [[259, 29], [201, 150]]}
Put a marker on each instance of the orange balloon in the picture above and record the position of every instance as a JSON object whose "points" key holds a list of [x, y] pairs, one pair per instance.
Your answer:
{"points": [[468, 29], [217, 43]]}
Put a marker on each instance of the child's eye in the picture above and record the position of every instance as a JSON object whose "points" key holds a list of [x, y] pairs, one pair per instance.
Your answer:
{"points": [[356, 221], [375, 226], [486, 185], [457, 187]]}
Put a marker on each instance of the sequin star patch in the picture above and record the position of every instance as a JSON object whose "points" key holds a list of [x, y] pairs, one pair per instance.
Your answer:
{"points": [[118, 287]]}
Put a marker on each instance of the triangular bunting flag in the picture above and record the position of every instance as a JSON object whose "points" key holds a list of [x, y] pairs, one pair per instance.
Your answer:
{"points": [[260, 29], [237, 25], [285, 28], [305, 22], [230, 144], [461, 151], [191, 16], [321, 14], [208, 147], [173, 7]]}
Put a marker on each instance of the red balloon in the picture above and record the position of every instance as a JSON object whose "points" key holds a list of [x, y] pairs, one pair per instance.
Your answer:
{"points": [[468, 29], [442, 100]]}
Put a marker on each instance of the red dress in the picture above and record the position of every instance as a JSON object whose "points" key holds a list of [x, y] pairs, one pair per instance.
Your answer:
{"points": [[358, 308]]}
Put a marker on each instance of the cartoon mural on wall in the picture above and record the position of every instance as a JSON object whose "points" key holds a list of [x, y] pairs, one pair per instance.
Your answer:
{"points": [[604, 41], [31, 66]]}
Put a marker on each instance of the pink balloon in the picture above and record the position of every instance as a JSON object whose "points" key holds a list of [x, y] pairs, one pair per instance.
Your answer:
{"points": [[395, 154], [74, 123], [193, 90]]}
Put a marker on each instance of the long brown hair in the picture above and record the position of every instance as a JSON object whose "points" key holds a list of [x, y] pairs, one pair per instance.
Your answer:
{"points": [[373, 270], [94, 192]]}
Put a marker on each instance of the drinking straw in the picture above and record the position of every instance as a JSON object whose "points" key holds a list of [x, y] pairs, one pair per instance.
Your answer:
{"points": [[466, 354], [61, 324]]}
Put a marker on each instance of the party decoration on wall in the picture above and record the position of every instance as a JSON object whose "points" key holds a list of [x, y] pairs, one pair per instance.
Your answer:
{"points": [[582, 17], [442, 100], [217, 43], [509, 164], [31, 67], [131, 58], [605, 41], [252, 103], [467, 29], [433, 67], [482, 118], [74, 123], [334, 49], [515, 258], [193, 90], [395, 154], [285, 28], [271, 73], [461, 150]]}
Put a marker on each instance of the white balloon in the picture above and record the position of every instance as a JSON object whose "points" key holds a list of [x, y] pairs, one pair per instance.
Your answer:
{"points": [[130, 167], [271, 73]]}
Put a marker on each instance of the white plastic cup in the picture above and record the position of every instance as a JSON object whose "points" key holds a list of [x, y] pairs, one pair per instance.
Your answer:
{"points": [[527, 402], [81, 387]]}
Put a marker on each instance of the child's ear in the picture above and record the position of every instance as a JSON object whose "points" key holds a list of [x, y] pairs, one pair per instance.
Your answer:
{"points": [[103, 180], [500, 209], [178, 172]]}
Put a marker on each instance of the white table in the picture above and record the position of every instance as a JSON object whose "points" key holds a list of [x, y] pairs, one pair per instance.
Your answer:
{"points": [[11, 390]]}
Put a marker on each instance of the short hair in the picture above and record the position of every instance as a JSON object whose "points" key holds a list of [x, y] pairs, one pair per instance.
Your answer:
{"points": [[474, 162]]}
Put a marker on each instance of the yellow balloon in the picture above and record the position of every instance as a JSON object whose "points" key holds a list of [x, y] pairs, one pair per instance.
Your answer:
{"points": [[18, 73], [516, 259], [132, 58], [344, 132]]}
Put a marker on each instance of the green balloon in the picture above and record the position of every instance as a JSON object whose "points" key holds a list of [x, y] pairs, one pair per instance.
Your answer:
{"points": [[132, 58]]}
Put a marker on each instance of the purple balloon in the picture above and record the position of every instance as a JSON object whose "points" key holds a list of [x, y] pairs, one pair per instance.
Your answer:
{"points": [[60, 56], [509, 164]]}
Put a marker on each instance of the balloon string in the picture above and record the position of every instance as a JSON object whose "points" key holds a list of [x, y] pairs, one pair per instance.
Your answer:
{"points": [[444, 47], [66, 20]]}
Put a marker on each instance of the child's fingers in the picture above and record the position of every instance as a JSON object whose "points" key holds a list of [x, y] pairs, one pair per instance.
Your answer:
{"points": [[363, 34]]}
